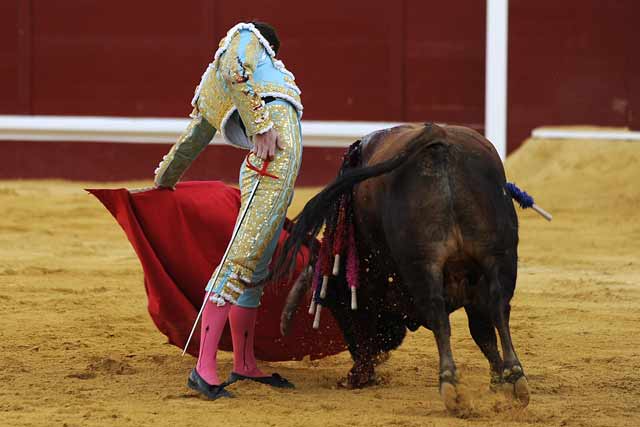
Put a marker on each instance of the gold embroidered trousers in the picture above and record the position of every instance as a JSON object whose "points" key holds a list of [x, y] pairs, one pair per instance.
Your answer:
{"points": [[257, 236]]}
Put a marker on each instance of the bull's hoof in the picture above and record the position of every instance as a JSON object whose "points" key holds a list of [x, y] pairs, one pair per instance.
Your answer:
{"points": [[521, 391], [516, 385], [351, 383], [449, 396], [360, 376], [456, 402]]}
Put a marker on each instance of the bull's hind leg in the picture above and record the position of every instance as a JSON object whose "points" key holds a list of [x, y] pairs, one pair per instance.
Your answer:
{"points": [[484, 335], [501, 309], [428, 293]]}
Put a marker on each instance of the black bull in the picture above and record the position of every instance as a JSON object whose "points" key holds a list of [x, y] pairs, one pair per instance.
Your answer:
{"points": [[436, 231]]}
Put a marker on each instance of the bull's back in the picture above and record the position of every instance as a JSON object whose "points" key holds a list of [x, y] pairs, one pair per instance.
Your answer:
{"points": [[452, 192]]}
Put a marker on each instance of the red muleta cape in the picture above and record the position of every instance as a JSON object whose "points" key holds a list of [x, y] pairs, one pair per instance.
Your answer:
{"points": [[180, 237]]}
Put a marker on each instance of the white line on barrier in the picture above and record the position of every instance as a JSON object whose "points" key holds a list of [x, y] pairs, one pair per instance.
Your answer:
{"points": [[146, 130], [159, 130], [621, 135]]}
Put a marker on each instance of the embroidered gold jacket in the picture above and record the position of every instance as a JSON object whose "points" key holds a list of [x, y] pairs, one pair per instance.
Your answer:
{"points": [[243, 72]]}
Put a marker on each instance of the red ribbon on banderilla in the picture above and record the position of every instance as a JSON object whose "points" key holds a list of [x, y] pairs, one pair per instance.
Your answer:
{"points": [[338, 248]]}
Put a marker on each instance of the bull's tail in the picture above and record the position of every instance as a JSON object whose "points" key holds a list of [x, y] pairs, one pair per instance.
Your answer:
{"points": [[316, 212]]}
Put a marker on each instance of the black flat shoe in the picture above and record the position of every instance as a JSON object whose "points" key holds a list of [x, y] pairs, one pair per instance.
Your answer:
{"points": [[211, 392], [275, 380]]}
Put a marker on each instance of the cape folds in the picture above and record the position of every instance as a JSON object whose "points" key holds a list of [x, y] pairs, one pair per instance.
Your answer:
{"points": [[179, 237]]}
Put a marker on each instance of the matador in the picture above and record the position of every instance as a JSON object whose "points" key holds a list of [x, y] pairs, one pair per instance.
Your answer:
{"points": [[252, 99]]}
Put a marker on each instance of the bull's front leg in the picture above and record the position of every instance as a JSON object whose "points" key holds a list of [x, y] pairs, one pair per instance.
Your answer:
{"points": [[358, 328]]}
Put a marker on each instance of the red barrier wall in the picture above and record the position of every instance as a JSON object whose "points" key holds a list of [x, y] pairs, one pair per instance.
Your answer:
{"points": [[355, 60], [104, 161], [444, 62], [15, 57], [571, 64], [408, 60]]}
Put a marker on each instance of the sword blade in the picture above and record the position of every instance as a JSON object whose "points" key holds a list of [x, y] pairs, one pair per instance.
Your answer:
{"points": [[224, 258]]}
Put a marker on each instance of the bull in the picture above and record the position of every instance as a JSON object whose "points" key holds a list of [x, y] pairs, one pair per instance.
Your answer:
{"points": [[436, 231]]}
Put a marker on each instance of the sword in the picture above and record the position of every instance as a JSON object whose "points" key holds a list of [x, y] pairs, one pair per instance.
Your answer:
{"points": [[224, 257]]}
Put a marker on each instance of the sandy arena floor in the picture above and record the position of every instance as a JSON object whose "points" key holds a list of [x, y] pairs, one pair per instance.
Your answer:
{"points": [[78, 348]]}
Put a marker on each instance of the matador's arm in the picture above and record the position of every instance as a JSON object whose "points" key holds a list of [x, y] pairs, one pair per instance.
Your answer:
{"points": [[191, 143]]}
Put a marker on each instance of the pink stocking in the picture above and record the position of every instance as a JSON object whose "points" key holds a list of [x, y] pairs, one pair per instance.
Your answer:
{"points": [[243, 323], [214, 318]]}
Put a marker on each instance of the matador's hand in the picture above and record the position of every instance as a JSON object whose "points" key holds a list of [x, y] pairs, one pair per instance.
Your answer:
{"points": [[265, 144]]}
